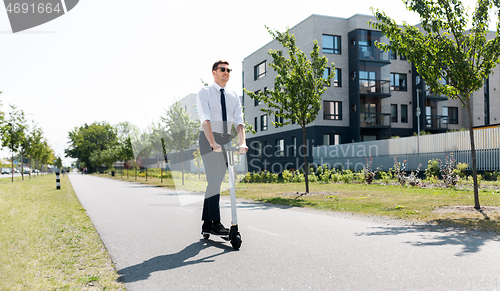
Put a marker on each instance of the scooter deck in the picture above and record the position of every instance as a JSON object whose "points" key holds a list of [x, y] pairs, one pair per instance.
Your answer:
{"points": [[207, 234]]}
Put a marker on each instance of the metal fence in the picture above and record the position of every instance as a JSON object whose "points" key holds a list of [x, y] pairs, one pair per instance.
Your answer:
{"points": [[415, 151]]}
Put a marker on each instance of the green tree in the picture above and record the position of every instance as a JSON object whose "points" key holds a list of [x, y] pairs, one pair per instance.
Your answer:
{"points": [[446, 51], [89, 138], [36, 145], [298, 87], [58, 163], [124, 131], [180, 131], [13, 132], [106, 157]]}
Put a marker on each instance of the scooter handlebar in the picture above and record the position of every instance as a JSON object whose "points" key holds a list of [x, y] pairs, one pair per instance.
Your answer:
{"points": [[230, 148]]}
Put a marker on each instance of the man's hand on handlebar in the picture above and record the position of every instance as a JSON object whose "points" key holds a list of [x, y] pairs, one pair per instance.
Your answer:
{"points": [[216, 147], [242, 149]]}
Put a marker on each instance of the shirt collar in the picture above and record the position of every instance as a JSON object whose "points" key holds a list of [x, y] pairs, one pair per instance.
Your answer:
{"points": [[218, 87]]}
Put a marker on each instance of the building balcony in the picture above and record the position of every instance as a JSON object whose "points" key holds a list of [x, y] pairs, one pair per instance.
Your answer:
{"points": [[367, 53], [375, 120], [429, 95], [436, 122], [376, 88]]}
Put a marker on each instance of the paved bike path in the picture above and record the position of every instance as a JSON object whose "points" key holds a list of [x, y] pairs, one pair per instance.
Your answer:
{"points": [[154, 240]]}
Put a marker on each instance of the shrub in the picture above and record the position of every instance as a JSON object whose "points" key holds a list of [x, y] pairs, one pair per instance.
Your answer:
{"points": [[368, 173], [399, 171], [450, 179], [432, 169], [400, 174], [312, 175], [460, 169], [385, 176], [298, 177], [325, 174], [247, 178], [336, 177], [495, 176], [287, 176], [347, 176], [359, 176], [413, 179]]}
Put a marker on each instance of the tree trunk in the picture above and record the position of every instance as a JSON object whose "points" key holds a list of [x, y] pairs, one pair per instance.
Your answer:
{"points": [[473, 156], [12, 170], [306, 172]]}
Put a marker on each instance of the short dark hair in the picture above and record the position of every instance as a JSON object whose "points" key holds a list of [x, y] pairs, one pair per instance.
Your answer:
{"points": [[217, 63]]}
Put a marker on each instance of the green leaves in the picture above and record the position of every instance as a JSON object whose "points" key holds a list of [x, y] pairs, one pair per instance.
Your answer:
{"points": [[444, 50], [89, 138], [299, 83]]}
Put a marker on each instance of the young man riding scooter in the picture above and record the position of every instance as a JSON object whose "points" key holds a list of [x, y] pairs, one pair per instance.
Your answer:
{"points": [[218, 109]]}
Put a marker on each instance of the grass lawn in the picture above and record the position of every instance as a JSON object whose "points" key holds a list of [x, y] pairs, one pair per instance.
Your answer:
{"points": [[400, 202], [47, 242]]}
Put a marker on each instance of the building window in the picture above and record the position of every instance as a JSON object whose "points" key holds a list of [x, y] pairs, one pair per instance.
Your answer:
{"points": [[326, 73], [398, 82], [258, 149], [331, 44], [280, 147], [402, 57], [332, 110], [337, 139], [337, 80], [255, 101], [394, 113], [278, 119], [255, 124], [263, 122], [453, 115], [326, 139], [260, 70], [393, 55], [294, 146], [404, 113]]}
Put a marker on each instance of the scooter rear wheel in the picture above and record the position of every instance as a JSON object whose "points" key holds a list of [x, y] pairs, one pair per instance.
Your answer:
{"points": [[206, 236]]}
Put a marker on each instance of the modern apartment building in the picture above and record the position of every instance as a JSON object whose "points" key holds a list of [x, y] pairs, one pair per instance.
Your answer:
{"points": [[375, 95]]}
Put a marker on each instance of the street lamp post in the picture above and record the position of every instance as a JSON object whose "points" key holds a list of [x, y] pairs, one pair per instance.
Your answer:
{"points": [[418, 123]]}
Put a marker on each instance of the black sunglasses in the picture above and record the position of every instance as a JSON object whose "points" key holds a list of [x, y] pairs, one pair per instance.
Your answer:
{"points": [[222, 69]]}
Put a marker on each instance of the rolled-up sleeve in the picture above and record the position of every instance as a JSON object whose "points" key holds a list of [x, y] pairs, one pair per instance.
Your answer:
{"points": [[238, 114], [202, 104]]}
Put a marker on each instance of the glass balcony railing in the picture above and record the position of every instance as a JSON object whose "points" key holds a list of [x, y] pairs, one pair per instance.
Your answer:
{"points": [[436, 122], [434, 96], [369, 53], [375, 119], [381, 87]]}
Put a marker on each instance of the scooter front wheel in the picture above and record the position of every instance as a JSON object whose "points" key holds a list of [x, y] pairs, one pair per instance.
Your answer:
{"points": [[236, 242], [206, 236]]}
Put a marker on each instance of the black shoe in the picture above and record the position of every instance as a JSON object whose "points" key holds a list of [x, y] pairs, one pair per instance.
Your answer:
{"points": [[206, 227], [219, 229]]}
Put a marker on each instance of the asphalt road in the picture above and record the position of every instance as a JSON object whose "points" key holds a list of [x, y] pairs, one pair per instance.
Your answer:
{"points": [[155, 244]]}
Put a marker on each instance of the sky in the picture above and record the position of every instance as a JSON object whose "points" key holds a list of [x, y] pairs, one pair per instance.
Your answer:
{"points": [[122, 60]]}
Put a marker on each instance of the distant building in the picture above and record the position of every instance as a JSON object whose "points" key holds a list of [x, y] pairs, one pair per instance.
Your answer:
{"points": [[373, 96]]}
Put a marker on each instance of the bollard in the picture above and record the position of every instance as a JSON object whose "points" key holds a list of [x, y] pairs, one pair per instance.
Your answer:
{"points": [[58, 181]]}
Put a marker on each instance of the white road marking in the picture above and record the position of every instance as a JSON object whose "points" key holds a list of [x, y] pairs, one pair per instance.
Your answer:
{"points": [[263, 231]]}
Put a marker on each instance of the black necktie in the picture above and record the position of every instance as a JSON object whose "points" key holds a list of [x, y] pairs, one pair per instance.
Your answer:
{"points": [[224, 114]]}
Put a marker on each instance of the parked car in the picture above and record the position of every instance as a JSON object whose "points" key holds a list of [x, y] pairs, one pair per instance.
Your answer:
{"points": [[26, 171], [5, 171]]}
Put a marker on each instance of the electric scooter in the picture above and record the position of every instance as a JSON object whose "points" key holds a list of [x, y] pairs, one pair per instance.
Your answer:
{"points": [[234, 235]]}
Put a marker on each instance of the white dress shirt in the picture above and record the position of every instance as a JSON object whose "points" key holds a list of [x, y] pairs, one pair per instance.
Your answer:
{"points": [[209, 108]]}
